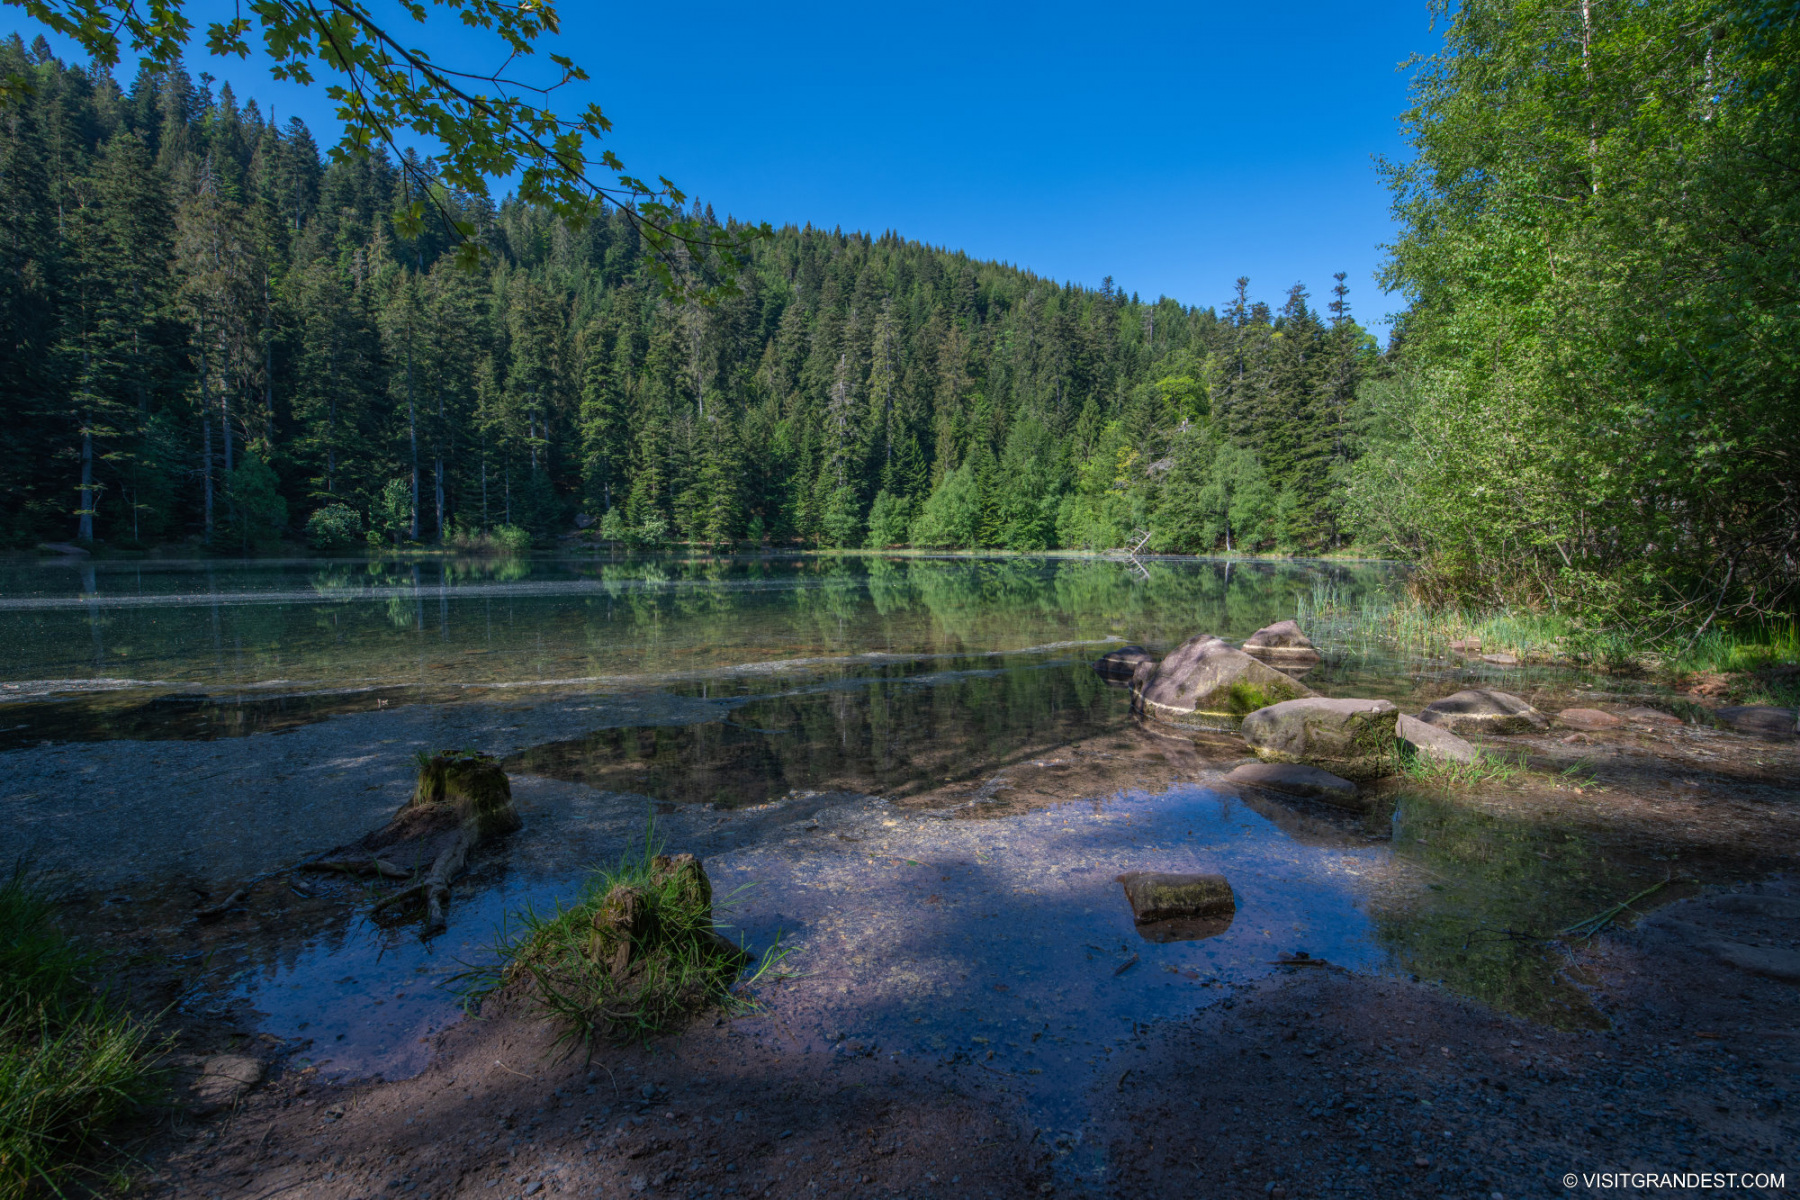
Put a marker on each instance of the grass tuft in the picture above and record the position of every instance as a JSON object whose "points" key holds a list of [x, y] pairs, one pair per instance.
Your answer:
{"points": [[637, 955], [1489, 768], [73, 1062]]}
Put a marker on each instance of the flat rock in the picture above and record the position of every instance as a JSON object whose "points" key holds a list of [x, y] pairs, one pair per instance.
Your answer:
{"points": [[1650, 716], [1590, 719], [1762, 720], [223, 1079], [1501, 660], [1116, 666], [1481, 710], [1431, 743], [1204, 681], [1771, 962], [1281, 642], [1298, 779], [1351, 738], [1162, 896]]}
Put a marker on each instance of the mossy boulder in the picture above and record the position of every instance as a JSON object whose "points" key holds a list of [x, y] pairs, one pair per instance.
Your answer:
{"points": [[1206, 682], [1353, 739], [472, 786]]}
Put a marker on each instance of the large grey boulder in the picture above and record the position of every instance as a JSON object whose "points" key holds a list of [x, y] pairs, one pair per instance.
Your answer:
{"points": [[1281, 642], [1351, 738], [1431, 743], [1760, 720], [1204, 680], [1298, 779], [1480, 710]]}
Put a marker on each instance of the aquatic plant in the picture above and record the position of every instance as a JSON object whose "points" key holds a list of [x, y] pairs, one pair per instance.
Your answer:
{"points": [[636, 955], [73, 1061]]}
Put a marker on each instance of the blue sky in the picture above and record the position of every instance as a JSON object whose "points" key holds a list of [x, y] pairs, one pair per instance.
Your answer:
{"points": [[1171, 146]]}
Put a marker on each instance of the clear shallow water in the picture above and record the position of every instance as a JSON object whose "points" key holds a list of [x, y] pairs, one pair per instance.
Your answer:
{"points": [[911, 762]]}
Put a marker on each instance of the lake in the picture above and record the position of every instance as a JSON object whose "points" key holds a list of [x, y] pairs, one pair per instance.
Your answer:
{"points": [[906, 769]]}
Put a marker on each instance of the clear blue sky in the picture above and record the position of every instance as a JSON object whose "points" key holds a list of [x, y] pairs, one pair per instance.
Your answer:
{"points": [[1171, 146]]}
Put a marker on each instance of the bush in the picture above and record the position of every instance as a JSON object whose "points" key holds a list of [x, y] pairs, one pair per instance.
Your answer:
{"points": [[510, 539], [72, 1062], [334, 527]]}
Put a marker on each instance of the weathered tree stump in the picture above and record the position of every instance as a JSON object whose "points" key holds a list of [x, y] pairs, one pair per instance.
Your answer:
{"points": [[462, 800]]}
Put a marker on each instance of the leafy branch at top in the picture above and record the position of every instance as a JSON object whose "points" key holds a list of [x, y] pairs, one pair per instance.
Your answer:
{"points": [[489, 124]]}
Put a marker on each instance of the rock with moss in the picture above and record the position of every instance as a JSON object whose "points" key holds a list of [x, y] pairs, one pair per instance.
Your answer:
{"points": [[1482, 710], [1353, 739], [1206, 682], [1163, 896]]}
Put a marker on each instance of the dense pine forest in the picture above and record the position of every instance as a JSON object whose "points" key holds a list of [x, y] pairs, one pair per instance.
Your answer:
{"points": [[212, 334]]}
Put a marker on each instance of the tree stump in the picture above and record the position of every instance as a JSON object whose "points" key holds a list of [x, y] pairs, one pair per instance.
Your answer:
{"points": [[462, 800]]}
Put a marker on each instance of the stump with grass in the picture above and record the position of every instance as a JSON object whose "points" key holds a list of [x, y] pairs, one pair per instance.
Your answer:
{"points": [[462, 800], [635, 956]]}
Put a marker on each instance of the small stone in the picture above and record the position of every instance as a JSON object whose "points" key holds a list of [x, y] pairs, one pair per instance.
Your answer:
{"points": [[1482, 710], [1297, 779], [1589, 719], [533, 1188], [1650, 716]]}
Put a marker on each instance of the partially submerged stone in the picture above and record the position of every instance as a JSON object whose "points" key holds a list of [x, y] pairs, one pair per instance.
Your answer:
{"points": [[1351, 738], [1163, 896], [1431, 743], [1204, 680], [1297, 779], [1590, 719], [1281, 642], [1116, 666], [1650, 716], [222, 1080], [1481, 710], [1771, 962], [1760, 720]]}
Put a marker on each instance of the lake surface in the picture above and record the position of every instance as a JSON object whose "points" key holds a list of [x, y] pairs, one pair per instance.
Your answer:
{"points": [[909, 765]]}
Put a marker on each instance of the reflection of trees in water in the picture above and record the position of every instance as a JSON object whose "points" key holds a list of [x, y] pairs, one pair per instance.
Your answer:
{"points": [[893, 736], [1495, 876]]}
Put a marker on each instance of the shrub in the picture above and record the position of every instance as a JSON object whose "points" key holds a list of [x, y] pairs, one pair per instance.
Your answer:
{"points": [[334, 527]]}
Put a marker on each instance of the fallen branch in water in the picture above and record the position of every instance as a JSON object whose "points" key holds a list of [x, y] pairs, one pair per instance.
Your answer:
{"points": [[1590, 926]]}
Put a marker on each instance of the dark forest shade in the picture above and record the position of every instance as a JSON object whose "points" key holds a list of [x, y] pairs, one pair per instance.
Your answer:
{"points": [[209, 333]]}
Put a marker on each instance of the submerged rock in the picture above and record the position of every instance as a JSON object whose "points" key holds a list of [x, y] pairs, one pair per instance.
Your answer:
{"points": [[1590, 719], [1205, 678], [1117, 666], [1162, 896], [1480, 710], [1282, 642], [1771, 962], [1431, 743], [1761, 720], [1353, 738], [1298, 779], [222, 1080]]}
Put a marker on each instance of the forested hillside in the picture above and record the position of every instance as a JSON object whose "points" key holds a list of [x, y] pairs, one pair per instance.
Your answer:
{"points": [[210, 333]]}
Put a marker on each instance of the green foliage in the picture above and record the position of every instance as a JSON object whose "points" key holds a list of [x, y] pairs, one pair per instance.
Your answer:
{"points": [[1599, 240], [73, 1063], [889, 517], [391, 517], [334, 527], [951, 515], [258, 512]]}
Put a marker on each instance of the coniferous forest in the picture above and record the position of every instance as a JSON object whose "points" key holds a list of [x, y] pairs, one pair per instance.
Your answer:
{"points": [[212, 334]]}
